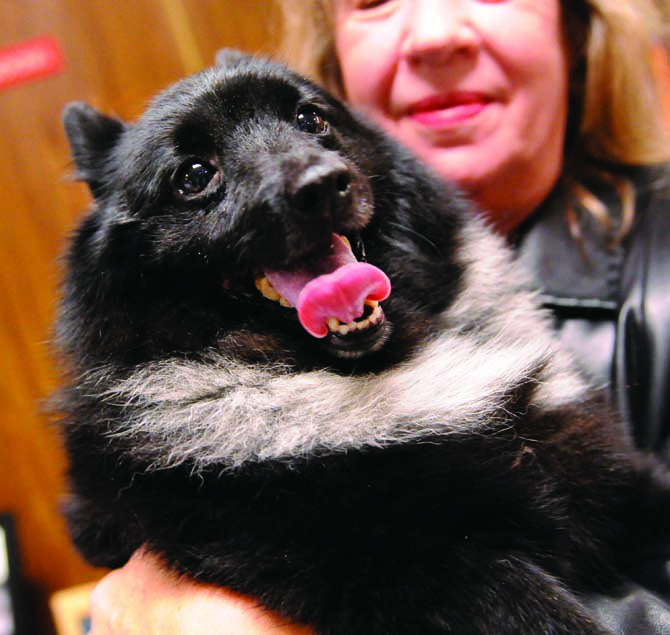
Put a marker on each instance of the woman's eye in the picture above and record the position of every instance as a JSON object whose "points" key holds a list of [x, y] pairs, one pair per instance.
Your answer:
{"points": [[311, 122], [193, 177]]}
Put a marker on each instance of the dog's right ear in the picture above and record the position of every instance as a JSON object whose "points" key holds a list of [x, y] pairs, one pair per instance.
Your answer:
{"points": [[91, 136]]}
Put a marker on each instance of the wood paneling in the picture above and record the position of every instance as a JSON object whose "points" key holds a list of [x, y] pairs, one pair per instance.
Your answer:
{"points": [[662, 68], [117, 55]]}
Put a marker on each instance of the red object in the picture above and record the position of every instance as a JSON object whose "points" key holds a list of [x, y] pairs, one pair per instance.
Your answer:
{"points": [[30, 60]]}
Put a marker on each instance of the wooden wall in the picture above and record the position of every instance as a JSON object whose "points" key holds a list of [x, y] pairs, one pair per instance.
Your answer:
{"points": [[117, 54]]}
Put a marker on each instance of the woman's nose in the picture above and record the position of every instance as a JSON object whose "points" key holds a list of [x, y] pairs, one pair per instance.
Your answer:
{"points": [[435, 30]]}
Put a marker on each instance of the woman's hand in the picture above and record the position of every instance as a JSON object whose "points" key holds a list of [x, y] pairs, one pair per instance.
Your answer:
{"points": [[142, 598]]}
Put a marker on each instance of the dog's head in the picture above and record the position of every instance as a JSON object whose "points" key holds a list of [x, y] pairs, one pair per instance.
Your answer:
{"points": [[249, 209]]}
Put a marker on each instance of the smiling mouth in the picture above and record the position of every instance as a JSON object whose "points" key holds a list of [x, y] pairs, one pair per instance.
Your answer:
{"points": [[448, 109], [372, 315], [335, 296]]}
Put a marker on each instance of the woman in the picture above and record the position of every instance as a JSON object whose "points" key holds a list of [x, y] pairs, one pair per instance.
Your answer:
{"points": [[544, 112]]}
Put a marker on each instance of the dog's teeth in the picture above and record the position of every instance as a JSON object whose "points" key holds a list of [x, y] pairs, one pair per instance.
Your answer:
{"points": [[266, 288], [376, 314], [269, 292], [335, 326], [345, 240]]}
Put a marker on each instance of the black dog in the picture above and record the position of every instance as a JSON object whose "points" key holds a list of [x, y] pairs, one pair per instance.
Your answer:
{"points": [[300, 367]]}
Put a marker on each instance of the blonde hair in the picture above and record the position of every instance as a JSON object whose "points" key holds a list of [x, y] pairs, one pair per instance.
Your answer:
{"points": [[615, 116]]}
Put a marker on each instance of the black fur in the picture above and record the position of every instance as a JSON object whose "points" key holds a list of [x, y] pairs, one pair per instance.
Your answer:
{"points": [[491, 523]]}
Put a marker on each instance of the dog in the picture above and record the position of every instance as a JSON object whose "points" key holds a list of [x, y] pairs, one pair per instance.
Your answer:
{"points": [[300, 366]]}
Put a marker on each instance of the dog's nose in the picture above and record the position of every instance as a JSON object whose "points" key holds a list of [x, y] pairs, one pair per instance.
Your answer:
{"points": [[321, 187]]}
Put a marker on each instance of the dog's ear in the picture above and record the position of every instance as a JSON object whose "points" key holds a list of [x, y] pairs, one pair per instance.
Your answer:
{"points": [[91, 136], [230, 58]]}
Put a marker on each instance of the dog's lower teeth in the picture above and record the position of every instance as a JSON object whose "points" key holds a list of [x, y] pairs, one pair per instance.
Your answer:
{"points": [[337, 327]]}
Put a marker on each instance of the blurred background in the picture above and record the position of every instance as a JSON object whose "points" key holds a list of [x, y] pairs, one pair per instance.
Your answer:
{"points": [[114, 54]]}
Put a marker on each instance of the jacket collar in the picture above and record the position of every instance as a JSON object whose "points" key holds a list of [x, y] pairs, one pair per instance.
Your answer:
{"points": [[572, 272]]}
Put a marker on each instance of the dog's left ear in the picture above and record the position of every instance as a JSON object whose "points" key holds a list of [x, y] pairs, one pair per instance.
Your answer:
{"points": [[91, 136], [230, 58]]}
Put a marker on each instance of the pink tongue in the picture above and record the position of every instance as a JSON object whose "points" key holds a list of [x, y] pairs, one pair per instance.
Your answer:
{"points": [[334, 287]]}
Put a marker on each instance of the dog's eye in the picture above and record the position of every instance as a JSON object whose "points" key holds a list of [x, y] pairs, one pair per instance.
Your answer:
{"points": [[311, 122], [193, 177]]}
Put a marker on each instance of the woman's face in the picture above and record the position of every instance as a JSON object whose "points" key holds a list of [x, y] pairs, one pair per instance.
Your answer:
{"points": [[477, 88]]}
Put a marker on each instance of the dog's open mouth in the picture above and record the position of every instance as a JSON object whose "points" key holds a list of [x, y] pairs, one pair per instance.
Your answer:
{"points": [[334, 295]]}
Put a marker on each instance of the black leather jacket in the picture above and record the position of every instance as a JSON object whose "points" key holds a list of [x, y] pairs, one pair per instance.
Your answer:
{"points": [[612, 309]]}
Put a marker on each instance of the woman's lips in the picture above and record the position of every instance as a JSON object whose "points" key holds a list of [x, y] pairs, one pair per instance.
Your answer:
{"points": [[448, 110]]}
